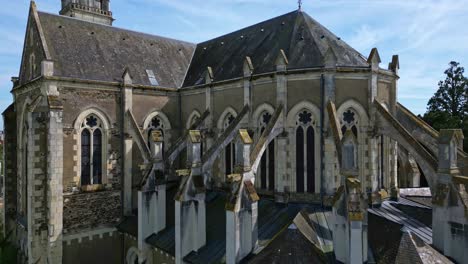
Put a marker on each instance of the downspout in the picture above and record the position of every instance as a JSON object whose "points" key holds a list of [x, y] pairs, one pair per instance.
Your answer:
{"points": [[322, 140]]}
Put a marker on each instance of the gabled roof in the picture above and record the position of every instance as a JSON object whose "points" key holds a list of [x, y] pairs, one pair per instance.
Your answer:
{"points": [[304, 41], [91, 51]]}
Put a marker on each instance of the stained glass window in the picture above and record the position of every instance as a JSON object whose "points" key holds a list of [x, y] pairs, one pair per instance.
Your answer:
{"points": [[267, 162], [91, 151], [305, 152]]}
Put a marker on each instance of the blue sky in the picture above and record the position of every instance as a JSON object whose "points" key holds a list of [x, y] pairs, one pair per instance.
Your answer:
{"points": [[427, 34]]}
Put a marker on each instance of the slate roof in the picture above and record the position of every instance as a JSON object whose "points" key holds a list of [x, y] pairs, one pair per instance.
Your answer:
{"points": [[92, 51], [400, 244], [304, 41], [289, 246], [390, 211], [272, 220], [129, 225]]}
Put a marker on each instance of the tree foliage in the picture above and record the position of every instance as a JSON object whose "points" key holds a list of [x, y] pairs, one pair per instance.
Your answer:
{"points": [[449, 106]]}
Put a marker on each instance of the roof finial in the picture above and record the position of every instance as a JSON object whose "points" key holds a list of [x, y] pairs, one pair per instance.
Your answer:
{"points": [[299, 3]]}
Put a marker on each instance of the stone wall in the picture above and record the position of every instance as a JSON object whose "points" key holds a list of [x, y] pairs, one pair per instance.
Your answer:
{"points": [[298, 89], [191, 101], [94, 249], [33, 46], [91, 210], [263, 92], [383, 92], [10, 179], [352, 89]]}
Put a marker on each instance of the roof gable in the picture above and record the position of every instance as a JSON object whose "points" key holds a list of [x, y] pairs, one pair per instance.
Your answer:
{"points": [[35, 48]]}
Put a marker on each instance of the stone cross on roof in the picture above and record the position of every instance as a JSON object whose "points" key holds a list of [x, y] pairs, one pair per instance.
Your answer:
{"points": [[299, 3]]}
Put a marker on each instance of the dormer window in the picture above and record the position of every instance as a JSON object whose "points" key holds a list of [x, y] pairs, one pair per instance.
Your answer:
{"points": [[152, 77]]}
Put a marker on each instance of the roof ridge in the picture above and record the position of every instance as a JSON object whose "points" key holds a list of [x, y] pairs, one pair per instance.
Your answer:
{"points": [[305, 16]]}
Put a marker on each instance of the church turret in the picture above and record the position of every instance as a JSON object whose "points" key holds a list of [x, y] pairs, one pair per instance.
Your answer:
{"points": [[97, 11]]}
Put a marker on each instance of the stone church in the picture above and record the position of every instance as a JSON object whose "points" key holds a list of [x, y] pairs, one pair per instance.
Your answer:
{"points": [[277, 143]]}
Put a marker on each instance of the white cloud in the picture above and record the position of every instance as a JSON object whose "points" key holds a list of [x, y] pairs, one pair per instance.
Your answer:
{"points": [[365, 37]]}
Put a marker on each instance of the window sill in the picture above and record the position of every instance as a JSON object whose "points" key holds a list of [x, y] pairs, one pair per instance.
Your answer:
{"points": [[93, 188]]}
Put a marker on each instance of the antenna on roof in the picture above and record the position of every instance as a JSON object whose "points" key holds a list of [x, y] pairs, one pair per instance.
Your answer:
{"points": [[299, 3]]}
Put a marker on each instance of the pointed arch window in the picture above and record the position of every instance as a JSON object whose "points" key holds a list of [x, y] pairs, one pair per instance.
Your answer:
{"points": [[305, 152], [91, 151], [230, 150], [193, 119], [156, 124], [267, 162], [349, 143]]}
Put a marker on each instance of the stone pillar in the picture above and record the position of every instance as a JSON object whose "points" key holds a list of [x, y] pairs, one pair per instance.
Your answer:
{"points": [[152, 199], [248, 71], [209, 123], [10, 179], [394, 66], [241, 205], [349, 223], [159, 207], [37, 184], [282, 140], [393, 169], [328, 174], [414, 173], [450, 200], [374, 61], [54, 180], [127, 159], [190, 209]]}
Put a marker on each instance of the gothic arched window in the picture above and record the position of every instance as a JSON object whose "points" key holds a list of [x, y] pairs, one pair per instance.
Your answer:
{"points": [[230, 150], [91, 151], [193, 119], [155, 125], [349, 129], [305, 152], [267, 162]]}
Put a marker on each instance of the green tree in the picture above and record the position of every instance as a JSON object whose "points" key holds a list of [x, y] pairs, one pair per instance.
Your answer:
{"points": [[448, 107]]}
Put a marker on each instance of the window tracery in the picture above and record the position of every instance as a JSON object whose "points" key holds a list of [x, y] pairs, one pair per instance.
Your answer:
{"points": [[91, 150], [267, 162], [305, 152], [155, 124], [349, 129]]}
